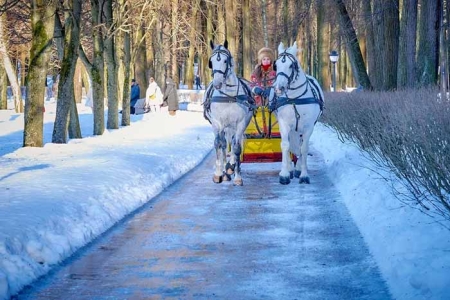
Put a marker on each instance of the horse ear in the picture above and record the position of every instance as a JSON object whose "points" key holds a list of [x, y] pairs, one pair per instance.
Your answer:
{"points": [[281, 48], [225, 44], [211, 44]]}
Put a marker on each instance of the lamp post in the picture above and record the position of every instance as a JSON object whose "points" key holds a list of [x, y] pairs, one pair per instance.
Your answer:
{"points": [[334, 57]]}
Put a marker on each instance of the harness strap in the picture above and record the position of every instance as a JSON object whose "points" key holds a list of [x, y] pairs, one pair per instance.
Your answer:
{"points": [[244, 99], [297, 117], [281, 101]]}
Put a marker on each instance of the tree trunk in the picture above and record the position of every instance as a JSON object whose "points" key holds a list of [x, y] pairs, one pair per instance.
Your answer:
{"points": [[264, 22], [66, 97], [443, 56], [159, 54], [174, 41], [140, 62], [74, 121], [97, 70], [427, 51], [352, 45], [77, 80], [378, 43], [42, 25], [406, 76], [220, 29], [126, 80], [10, 72], [3, 87], [285, 20], [208, 34], [390, 54], [246, 40], [231, 27], [322, 47], [192, 45], [111, 78]]}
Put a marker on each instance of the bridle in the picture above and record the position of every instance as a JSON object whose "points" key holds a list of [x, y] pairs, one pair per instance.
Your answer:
{"points": [[227, 55], [291, 78]]}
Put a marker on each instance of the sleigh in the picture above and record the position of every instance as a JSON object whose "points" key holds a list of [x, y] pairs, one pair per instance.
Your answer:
{"points": [[262, 141]]}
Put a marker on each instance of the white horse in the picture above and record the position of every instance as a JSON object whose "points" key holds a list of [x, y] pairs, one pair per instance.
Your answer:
{"points": [[298, 105], [228, 106]]}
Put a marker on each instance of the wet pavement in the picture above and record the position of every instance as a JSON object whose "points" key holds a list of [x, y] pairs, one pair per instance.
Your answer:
{"points": [[200, 240]]}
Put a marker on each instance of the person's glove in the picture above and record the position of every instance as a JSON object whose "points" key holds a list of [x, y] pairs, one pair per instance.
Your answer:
{"points": [[261, 92]]}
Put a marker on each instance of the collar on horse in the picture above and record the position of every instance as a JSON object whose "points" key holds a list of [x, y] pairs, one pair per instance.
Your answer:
{"points": [[281, 101], [246, 99]]}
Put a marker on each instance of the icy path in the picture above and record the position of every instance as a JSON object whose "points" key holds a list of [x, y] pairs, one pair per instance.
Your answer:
{"points": [[199, 240]]}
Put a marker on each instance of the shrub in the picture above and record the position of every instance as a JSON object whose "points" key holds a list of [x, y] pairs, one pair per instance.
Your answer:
{"points": [[407, 132]]}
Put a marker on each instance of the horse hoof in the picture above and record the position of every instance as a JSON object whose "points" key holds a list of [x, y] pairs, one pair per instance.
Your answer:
{"points": [[297, 174], [226, 177], [291, 174], [304, 180], [285, 180], [230, 168], [217, 179], [238, 182]]}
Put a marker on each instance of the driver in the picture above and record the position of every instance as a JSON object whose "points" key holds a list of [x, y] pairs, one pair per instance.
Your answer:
{"points": [[263, 75]]}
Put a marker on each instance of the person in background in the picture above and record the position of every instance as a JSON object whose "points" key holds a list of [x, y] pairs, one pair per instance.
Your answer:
{"points": [[153, 96], [263, 75], [197, 82], [135, 92], [171, 96]]}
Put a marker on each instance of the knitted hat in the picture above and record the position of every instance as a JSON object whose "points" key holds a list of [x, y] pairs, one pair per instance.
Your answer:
{"points": [[265, 52]]}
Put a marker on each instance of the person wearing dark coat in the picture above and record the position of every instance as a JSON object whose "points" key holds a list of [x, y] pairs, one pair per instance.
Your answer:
{"points": [[197, 82], [171, 96], [135, 93]]}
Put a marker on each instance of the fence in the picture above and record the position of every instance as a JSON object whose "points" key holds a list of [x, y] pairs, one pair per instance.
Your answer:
{"points": [[191, 99]]}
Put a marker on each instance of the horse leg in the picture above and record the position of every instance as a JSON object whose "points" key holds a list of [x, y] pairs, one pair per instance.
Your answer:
{"points": [[237, 149], [229, 167], [219, 146], [286, 162], [304, 178], [285, 173], [297, 165]]}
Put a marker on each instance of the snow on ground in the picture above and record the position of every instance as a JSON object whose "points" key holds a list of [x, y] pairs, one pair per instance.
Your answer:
{"points": [[55, 199]]}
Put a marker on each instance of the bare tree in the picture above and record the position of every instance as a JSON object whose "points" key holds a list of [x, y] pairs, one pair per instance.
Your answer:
{"points": [[192, 43], [42, 23], [407, 45], [66, 96], [110, 58], [352, 45], [8, 66], [427, 52], [3, 88], [96, 67]]}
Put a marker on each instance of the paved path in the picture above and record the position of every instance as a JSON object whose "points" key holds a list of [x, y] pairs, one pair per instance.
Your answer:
{"points": [[200, 240]]}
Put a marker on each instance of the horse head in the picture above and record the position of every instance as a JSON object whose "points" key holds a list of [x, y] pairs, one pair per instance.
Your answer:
{"points": [[287, 67], [221, 64]]}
